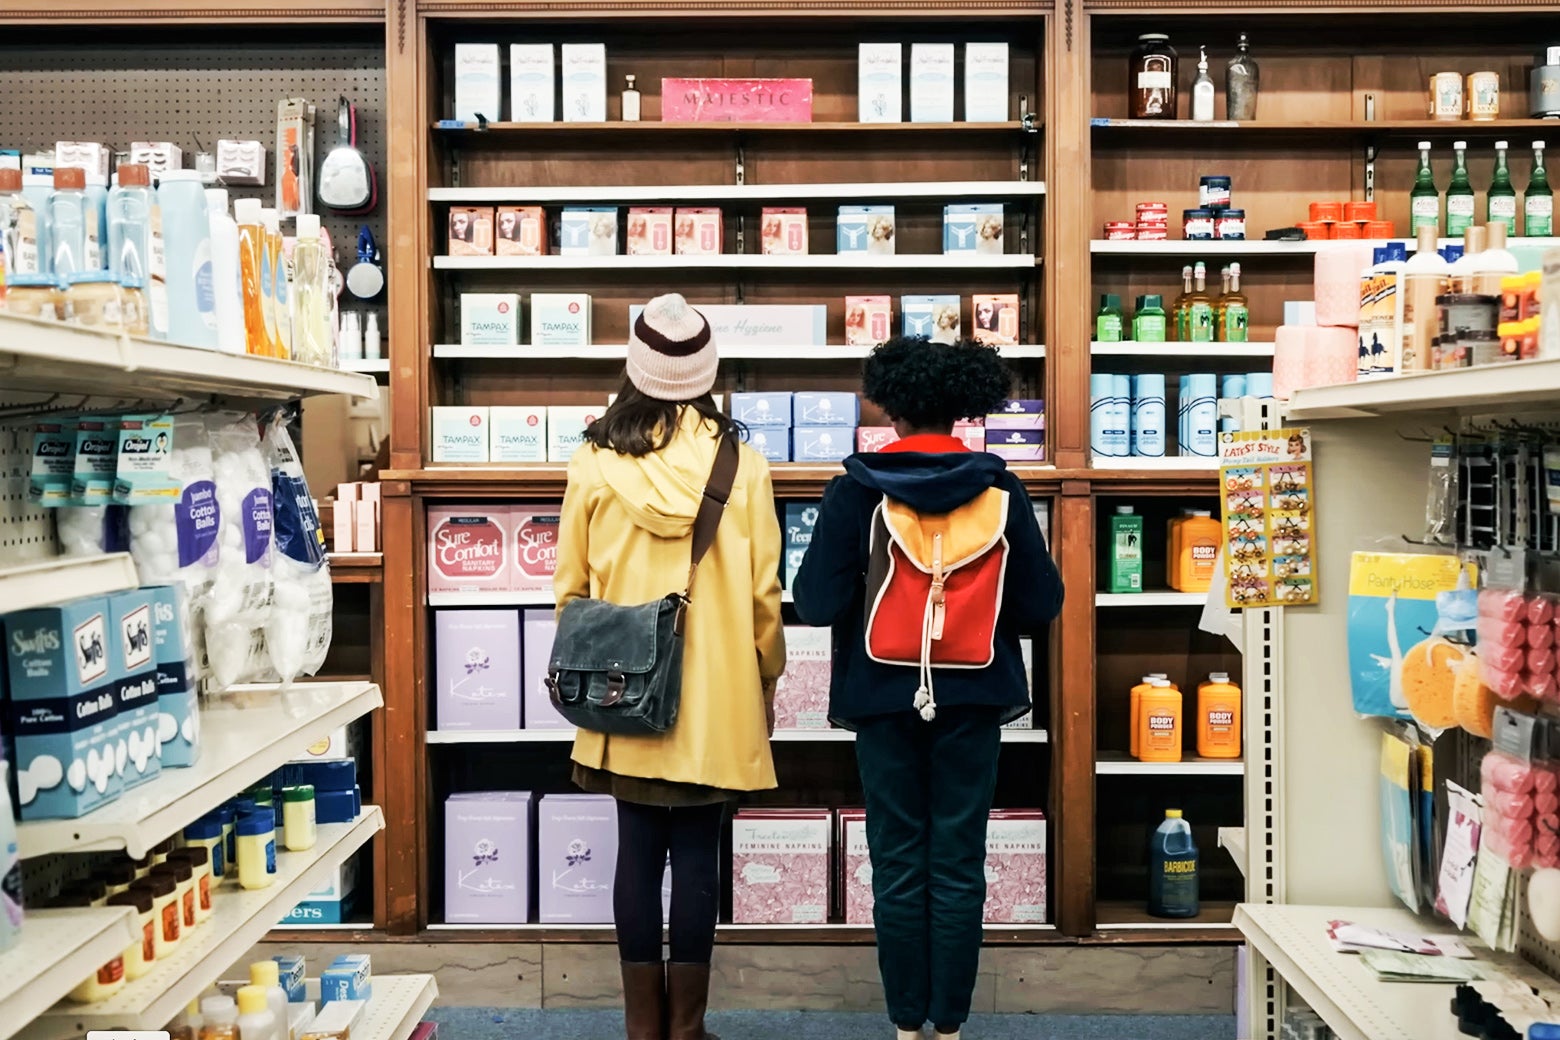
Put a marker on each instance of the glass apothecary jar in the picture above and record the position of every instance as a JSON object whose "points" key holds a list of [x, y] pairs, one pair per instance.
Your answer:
{"points": [[1152, 78]]}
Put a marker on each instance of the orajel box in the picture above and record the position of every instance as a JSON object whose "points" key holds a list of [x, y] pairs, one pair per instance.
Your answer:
{"points": [[576, 858], [477, 669], [487, 857], [468, 548]]}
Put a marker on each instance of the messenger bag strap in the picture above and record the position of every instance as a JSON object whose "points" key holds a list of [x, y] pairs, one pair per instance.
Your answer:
{"points": [[717, 492]]}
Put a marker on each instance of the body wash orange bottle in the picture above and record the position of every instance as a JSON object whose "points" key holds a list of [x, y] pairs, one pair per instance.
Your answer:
{"points": [[251, 253], [1135, 705], [1159, 723], [1218, 717]]}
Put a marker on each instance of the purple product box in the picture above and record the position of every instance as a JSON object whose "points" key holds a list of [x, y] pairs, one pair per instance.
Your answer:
{"points": [[830, 408], [539, 628], [772, 442], [1016, 445], [1017, 415], [576, 858], [762, 409], [477, 669], [822, 443], [487, 857]]}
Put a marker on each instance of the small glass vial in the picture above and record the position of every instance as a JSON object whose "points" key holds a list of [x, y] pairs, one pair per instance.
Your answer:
{"points": [[630, 102], [298, 828]]}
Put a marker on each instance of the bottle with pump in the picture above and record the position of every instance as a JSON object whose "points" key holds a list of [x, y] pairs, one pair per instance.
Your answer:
{"points": [[255, 1019], [1218, 717], [1424, 201], [1159, 723], [1178, 311], [1425, 276], [251, 275], [18, 226], [1500, 202], [373, 349], [1242, 81], [226, 287], [1538, 205], [1202, 90], [1199, 307], [1172, 869], [312, 338], [1234, 311], [1459, 193], [130, 223], [68, 221], [266, 976], [276, 265], [631, 104]]}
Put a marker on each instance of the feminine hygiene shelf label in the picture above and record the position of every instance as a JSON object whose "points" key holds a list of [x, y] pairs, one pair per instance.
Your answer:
{"points": [[1269, 517]]}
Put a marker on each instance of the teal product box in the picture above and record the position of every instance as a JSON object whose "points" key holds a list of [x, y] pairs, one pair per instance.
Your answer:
{"points": [[145, 443], [972, 228], [935, 317], [332, 903], [53, 463], [822, 443], [138, 749], [97, 459], [63, 708], [292, 971], [865, 229], [772, 442], [800, 518], [178, 704], [831, 408], [771, 410], [351, 977]]}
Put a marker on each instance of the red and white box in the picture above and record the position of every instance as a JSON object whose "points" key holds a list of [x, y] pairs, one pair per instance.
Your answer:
{"points": [[875, 438], [534, 541], [468, 549], [649, 231], [972, 434], [698, 231], [855, 867], [783, 231], [869, 320], [802, 694], [1016, 867], [780, 866]]}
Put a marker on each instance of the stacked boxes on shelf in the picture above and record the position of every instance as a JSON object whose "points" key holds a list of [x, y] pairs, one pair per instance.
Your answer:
{"points": [[491, 668]]}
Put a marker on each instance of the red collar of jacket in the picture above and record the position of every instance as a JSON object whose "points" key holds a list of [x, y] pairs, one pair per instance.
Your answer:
{"points": [[929, 443]]}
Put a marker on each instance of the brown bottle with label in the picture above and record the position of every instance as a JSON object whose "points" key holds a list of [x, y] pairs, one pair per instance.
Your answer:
{"points": [[1151, 78]]}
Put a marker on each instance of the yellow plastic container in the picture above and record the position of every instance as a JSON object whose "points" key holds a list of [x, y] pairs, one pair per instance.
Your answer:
{"points": [[1218, 717], [1196, 541], [1159, 723], [1136, 703]]}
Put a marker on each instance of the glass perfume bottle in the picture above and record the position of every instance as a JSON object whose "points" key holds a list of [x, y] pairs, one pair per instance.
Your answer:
{"points": [[1538, 205], [630, 102], [1242, 80], [1500, 201], [1459, 194]]}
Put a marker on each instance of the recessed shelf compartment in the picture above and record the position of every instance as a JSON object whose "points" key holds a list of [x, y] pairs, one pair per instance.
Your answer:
{"points": [[709, 194], [743, 262]]}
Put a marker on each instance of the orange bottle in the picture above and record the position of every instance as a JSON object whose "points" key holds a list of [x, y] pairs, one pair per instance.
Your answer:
{"points": [[1197, 539], [1159, 723], [1135, 708], [1218, 717], [251, 256], [1173, 546]]}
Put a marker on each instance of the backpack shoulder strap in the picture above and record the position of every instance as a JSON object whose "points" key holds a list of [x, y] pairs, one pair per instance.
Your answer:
{"points": [[717, 492]]}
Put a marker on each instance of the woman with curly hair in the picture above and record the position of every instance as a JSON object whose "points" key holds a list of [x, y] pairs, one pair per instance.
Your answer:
{"points": [[928, 563]]}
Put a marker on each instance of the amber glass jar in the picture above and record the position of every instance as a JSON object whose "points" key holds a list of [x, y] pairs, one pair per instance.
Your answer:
{"points": [[1151, 78]]}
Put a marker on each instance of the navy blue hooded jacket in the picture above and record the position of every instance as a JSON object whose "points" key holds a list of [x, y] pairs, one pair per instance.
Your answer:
{"points": [[933, 475]]}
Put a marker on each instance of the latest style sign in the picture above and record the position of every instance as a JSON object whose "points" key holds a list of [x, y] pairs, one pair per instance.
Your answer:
{"points": [[1269, 518]]}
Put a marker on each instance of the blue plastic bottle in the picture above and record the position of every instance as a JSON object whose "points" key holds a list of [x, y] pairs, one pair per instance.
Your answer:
{"points": [[130, 224], [186, 229], [37, 186], [97, 222], [68, 222], [1172, 869]]}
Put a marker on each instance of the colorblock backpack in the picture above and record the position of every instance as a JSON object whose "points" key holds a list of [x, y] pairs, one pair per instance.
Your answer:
{"points": [[934, 587]]}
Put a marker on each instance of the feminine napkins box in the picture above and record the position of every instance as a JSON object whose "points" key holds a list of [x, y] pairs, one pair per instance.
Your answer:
{"points": [[576, 858], [1018, 414], [985, 82], [768, 408], [477, 82], [566, 429], [772, 442], [822, 443], [539, 627], [468, 548], [1016, 445], [460, 433], [931, 82], [880, 83], [532, 98], [800, 519], [560, 319], [856, 867], [477, 669], [517, 433], [178, 703], [534, 532], [802, 692], [935, 317], [490, 319], [972, 228], [761, 324], [584, 77], [780, 867], [865, 229], [63, 712], [1015, 867], [826, 408], [132, 633], [588, 231], [487, 857]]}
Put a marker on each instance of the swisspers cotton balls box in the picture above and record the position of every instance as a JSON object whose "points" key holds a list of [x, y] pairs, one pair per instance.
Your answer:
{"points": [[468, 549], [802, 694], [780, 867], [487, 857], [178, 703], [1015, 867], [576, 858], [477, 669], [533, 531], [132, 634]]}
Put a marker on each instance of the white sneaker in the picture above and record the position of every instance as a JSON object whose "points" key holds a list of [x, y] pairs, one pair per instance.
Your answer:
{"points": [[946, 1036], [905, 1034]]}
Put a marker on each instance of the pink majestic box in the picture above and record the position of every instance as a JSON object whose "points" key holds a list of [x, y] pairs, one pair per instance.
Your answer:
{"points": [[855, 867], [802, 694], [468, 548], [736, 100], [780, 867], [533, 532], [1015, 867]]}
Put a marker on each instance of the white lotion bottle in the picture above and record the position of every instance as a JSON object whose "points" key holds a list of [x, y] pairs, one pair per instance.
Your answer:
{"points": [[227, 300], [1202, 91]]}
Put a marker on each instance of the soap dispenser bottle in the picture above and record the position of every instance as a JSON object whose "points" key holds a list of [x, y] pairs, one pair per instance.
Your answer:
{"points": [[1202, 90]]}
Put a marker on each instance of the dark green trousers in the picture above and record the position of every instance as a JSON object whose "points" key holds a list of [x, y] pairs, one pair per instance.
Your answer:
{"points": [[928, 788]]}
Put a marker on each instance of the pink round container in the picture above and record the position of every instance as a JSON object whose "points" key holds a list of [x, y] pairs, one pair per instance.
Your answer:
{"points": [[1152, 232], [1120, 231]]}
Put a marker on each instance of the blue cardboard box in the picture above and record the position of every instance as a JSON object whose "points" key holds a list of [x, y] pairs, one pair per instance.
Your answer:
{"points": [[351, 977], [831, 408], [139, 759], [822, 443], [935, 317], [772, 442], [865, 229], [972, 227], [769, 409]]}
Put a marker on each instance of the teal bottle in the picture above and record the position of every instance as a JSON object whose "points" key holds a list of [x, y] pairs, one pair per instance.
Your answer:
{"points": [[1172, 869]]}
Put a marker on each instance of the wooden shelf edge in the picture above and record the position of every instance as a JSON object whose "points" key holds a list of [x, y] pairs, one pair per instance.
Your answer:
{"points": [[274, 12], [816, 9], [654, 126]]}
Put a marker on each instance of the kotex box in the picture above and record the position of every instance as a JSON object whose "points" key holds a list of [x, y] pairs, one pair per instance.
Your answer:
{"points": [[770, 409], [822, 443], [468, 549], [855, 867], [780, 866], [537, 631], [477, 669], [533, 530], [131, 628], [802, 693], [487, 857], [772, 442], [830, 408], [576, 858], [1016, 867]]}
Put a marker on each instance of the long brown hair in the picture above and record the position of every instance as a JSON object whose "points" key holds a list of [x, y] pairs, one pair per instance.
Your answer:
{"points": [[638, 425]]}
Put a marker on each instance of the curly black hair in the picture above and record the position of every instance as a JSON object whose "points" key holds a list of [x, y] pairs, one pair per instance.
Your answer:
{"points": [[930, 385]]}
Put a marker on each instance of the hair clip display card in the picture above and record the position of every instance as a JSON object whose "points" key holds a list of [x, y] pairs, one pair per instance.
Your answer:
{"points": [[865, 229]]}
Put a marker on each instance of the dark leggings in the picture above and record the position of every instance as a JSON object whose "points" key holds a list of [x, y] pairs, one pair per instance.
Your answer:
{"points": [[646, 833]]}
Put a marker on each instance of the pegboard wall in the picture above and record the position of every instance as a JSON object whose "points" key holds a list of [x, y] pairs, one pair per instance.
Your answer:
{"points": [[26, 532]]}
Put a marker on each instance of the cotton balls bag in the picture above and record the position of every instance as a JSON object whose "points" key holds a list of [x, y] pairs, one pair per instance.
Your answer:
{"points": [[239, 604], [298, 633]]}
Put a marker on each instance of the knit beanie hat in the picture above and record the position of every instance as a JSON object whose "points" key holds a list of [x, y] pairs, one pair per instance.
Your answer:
{"points": [[671, 352]]}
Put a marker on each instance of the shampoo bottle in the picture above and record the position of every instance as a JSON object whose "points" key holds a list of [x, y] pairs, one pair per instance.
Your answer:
{"points": [[1172, 869], [1218, 717], [311, 312], [251, 275], [227, 297], [1424, 278], [1159, 723], [276, 266], [1126, 551]]}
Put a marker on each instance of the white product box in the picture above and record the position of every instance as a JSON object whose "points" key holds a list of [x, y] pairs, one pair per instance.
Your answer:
{"points": [[584, 83], [865, 229], [490, 319], [162, 156], [517, 434], [880, 83], [240, 162], [532, 79], [343, 521], [560, 319], [366, 514], [477, 82], [566, 429], [931, 82], [649, 231], [589, 231], [985, 82], [83, 155], [460, 434]]}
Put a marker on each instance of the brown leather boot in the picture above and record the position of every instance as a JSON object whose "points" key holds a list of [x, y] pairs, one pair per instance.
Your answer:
{"points": [[687, 996], [644, 1000]]}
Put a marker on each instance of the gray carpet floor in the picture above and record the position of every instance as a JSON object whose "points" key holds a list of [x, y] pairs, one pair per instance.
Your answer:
{"points": [[510, 1024]]}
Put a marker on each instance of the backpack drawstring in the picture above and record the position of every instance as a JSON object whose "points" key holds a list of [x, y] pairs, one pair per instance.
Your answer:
{"points": [[931, 629]]}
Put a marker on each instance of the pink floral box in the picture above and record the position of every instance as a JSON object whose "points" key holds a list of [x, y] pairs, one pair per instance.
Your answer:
{"points": [[1016, 867], [802, 695], [780, 867]]}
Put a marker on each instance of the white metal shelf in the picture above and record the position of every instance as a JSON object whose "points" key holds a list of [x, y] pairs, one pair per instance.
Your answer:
{"points": [[369, 365], [1150, 598], [239, 919], [796, 736], [1505, 387], [713, 193], [1234, 839], [1132, 348], [862, 930], [618, 351], [68, 577], [1117, 764], [744, 261], [398, 1005], [52, 356], [496, 598], [58, 948], [1170, 463], [240, 745]]}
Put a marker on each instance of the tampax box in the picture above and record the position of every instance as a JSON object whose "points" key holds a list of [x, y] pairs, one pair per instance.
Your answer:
{"points": [[865, 229], [772, 442], [996, 319], [783, 230], [576, 858], [822, 443], [880, 82], [856, 867], [761, 324], [477, 669], [477, 82], [566, 429], [460, 434], [63, 710], [800, 519], [875, 438], [471, 231], [589, 231], [539, 627], [468, 548], [487, 857], [698, 231], [1016, 445], [770, 409], [132, 631], [985, 82], [802, 694], [178, 703], [780, 867], [824, 408], [649, 231], [931, 82], [520, 231], [869, 320], [490, 319], [532, 83], [584, 77], [534, 532], [935, 317], [560, 319], [1018, 414], [1015, 867], [517, 434], [972, 228]]}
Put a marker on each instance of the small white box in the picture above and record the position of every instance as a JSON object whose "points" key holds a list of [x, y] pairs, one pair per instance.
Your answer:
{"points": [[584, 83], [477, 83], [367, 512], [241, 162], [649, 231], [162, 156], [517, 434], [532, 79], [931, 82], [490, 319], [880, 83], [343, 518], [83, 155], [589, 231], [566, 429], [460, 434], [560, 319], [985, 82]]}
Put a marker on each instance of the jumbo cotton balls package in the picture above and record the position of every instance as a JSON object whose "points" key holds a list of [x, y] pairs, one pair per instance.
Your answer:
{"points": [[299, 632], [239, 603]]}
